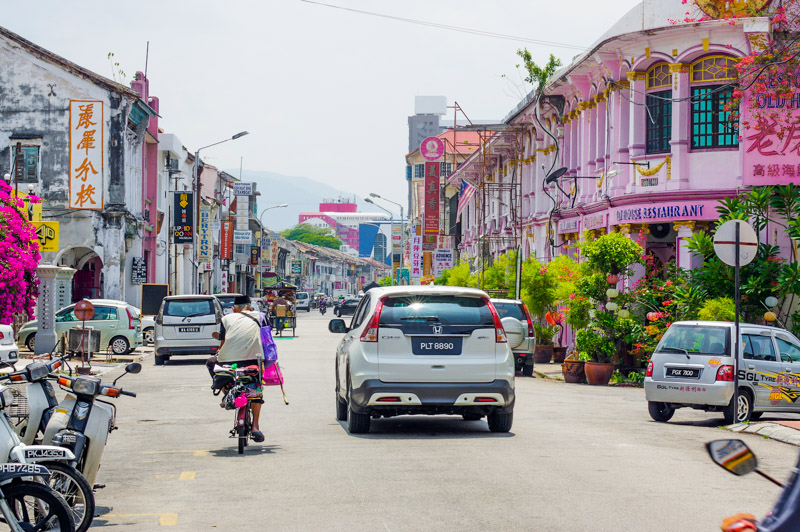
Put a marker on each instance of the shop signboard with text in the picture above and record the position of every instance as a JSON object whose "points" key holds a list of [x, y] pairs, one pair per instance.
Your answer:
{"points": [[205, 247], [242, 237], [442, 260], [430, 226], [664, 211], [242, 189], [183, 218], [226, 240], [86, 162], [416, 257]]}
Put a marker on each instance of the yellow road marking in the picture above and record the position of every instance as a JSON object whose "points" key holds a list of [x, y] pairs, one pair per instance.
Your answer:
{"points": [[168, 519], [194, 452], [187, 475], [162, 477]]}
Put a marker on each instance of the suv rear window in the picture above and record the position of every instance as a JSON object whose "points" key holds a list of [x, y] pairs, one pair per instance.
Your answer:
{"points": [[696, 340], [510, 310], [188, 307], [415, 310], [226, 302]]}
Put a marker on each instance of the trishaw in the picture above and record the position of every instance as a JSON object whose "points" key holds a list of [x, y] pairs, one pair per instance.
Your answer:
{"points": [[282, 317]]}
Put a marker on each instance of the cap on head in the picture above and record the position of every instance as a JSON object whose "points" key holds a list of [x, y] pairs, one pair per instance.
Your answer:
{"points": [[241, 300]]}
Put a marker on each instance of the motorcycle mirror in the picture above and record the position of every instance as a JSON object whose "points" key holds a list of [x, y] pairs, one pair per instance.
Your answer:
{"points": [[133, 367], [733, 456]]}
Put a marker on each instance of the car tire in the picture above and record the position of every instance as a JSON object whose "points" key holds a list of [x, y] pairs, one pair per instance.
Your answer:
{"points": [[341, 408], [472, 416], [356, 423], [161, 360], [745, 409], [119, 345], [527, 370], [755, 416], [661, 412], [500, 421], [30, 342], [149, 336]]}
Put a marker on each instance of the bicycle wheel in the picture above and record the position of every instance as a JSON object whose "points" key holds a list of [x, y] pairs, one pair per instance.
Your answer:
{"points": [[75, 490], [37, 507]]}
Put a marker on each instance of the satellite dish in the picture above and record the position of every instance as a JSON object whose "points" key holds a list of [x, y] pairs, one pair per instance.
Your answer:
{"points": [[555, 175]]}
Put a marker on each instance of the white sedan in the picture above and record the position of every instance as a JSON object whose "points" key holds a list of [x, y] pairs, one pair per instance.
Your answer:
{"points": [[8, 348]]}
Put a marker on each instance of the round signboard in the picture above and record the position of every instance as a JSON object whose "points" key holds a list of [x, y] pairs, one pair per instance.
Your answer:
{"points": [[84, 310], [725, 242], [432, 149]]}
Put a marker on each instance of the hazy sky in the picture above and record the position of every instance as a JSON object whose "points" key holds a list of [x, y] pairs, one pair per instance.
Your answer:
{"points": [[325, 93]]}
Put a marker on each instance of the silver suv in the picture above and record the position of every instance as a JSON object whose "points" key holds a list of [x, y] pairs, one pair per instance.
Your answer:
{"points": [[518, 325], [185, 325], [693, 366]]}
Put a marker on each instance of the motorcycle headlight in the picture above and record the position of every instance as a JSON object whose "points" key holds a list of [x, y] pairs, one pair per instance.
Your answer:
{"points": [[85, 386], [37, 371], [6, 396]]}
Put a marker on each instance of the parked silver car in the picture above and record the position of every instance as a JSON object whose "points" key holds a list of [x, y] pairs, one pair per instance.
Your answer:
{"points": [[185, 325], [519, 330], [693, 366]]}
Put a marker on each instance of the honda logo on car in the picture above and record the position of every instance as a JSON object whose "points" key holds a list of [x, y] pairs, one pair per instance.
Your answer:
{"points": [[437, 329]]}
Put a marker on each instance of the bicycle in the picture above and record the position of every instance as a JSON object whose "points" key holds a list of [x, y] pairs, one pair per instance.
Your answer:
{"points": [[238, 397]]}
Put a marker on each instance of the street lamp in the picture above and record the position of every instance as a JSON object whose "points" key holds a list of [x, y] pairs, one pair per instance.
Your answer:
{"points": [[402, 222], [196, 183], [261, 257]]}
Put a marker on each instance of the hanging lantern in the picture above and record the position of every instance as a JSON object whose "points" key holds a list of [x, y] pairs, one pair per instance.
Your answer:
{"points": [[612, 293], [624, 313], [612, 278], [611, 306], [770, 316], [771, 301]]}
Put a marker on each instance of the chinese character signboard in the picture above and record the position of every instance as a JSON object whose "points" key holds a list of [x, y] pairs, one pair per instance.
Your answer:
{"points": [[183, 222], [275, 251], [255, 254], [138, 271], [442, 260], [416, 257], [86, 154], [430, 227], [47, 235], [226, 240], [204, 235], [771, 149], [242, 189]]}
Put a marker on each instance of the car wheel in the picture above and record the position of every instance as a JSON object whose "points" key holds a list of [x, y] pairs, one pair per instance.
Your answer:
{"points": [[119, 345], [472, 416], [527, 370], [341, 408], [356, 423], [661, 412], [500, 421], [30, 342], [161, 360], [755, 416], [149, 336], [742, 413]]}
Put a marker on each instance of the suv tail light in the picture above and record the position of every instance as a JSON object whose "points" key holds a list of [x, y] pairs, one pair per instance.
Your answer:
{"points": [[499, 332], [649, 372], [531, 332], [2, 335], [370, 333], [725, 373], [131, 325]]}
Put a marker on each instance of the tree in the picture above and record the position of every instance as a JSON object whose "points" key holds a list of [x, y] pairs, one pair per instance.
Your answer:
{"points": [[318, 236], [19, 257]]}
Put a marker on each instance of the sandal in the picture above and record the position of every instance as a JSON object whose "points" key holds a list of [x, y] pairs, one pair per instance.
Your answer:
{"points": [[257, 436]]}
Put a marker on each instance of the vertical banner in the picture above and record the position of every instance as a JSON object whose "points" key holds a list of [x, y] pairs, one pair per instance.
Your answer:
{"points": [[416, 257], [226, 240], [442, 260], [266, 250], [205, 248], [255, 253], [183, 218], [86, 154], [274, 252], [430, 226]]}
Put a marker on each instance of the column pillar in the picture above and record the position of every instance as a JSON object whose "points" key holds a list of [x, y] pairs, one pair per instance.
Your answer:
{"points": [[64, 287], [685, 231], [46, 308], [637, 132], [621, 110], [678, 174], [600, 127]]}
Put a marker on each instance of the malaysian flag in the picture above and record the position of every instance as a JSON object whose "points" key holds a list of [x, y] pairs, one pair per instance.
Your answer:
{"points": [[467, 191]]}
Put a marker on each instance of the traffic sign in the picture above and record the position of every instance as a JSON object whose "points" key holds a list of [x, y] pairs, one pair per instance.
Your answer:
{"points": [[83, 310], [725, 243]]}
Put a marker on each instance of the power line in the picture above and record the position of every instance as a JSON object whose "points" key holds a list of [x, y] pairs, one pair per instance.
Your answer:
{"points": [[449, 27]]}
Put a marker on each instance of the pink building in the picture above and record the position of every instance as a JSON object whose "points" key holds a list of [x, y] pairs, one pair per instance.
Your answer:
{"points": [[343, 217], [637, 126]]}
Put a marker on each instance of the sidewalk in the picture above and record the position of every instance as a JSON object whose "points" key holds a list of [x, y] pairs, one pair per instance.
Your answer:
{"points": [[548, 371]]}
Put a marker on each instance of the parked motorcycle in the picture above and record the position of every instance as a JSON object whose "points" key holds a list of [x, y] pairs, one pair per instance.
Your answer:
{"points": [[737, 458], [62, 476], [27, 505]]}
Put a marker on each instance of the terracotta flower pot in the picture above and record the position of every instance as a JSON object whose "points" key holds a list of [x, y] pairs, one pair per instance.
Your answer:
{"points": [[559, 354], [573, 371], [543, 354], [599, 373]]}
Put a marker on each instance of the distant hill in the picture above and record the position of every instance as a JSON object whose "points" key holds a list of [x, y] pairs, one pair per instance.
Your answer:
{"points": [[301, 193]]}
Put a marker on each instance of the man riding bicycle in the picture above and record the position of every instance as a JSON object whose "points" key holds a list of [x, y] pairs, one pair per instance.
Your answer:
{"points": [[240, 344]]}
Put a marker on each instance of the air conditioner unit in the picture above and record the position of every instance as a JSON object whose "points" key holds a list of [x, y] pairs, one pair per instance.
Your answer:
{"points": [[661, 232], [172, 165]]}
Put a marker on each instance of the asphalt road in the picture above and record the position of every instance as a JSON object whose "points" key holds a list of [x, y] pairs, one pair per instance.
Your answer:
{"points": [[578, 458]]}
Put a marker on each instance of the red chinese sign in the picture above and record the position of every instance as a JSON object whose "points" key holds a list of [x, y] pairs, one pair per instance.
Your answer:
{"points": [[430, 226], [226, 240], [86, 154], [771, 146]]}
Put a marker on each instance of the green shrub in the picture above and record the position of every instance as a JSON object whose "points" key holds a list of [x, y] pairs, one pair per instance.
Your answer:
{"points": [[719, 309], [613, 253]]}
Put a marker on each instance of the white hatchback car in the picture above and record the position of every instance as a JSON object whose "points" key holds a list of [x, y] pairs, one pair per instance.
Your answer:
{"points": [[9, 352], [424, 350]]}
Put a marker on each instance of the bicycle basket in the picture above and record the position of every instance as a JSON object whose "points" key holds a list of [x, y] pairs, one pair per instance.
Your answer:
{"points": [[18, 410]]}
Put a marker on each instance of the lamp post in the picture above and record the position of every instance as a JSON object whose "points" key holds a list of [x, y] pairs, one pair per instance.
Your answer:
{"points": [[391, 222], [196, 184], [402, 222], [261, 257]]}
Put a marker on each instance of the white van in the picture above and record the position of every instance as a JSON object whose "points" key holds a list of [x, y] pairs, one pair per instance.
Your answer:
{"points": [[302, 301]]}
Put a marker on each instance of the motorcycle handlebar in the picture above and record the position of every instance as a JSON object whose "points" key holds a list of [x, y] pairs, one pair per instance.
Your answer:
{"points": [[130, 394]]}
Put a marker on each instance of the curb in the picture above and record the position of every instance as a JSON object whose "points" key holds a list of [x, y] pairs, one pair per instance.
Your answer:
{"points": [[769, 430]]}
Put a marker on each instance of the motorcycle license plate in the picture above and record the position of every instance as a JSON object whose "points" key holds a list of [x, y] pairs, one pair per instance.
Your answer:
{"points": [[188, 329], [683, 373], [436, 345]]}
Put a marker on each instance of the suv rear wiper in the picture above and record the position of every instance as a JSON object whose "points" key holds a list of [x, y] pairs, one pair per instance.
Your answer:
{"points": [[423, 318], [678, 349], [194, 315]]}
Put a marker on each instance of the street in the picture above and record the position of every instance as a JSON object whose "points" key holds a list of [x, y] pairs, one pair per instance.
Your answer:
{"points": [[578, 458]]}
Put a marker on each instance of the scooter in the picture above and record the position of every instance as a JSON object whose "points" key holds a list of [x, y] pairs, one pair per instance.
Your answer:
{"points": [[322, 308], [736, 457], [82, 421]]}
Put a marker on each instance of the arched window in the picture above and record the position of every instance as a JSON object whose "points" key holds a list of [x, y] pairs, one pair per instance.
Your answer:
{"points": [[659, 108], [711, 79]]}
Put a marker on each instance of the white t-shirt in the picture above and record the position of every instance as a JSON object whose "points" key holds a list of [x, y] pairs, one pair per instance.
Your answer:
{"points": [[242, 338]]}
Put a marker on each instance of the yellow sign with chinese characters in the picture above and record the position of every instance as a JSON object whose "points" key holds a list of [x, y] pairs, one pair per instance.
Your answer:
{"points": [[47, 234]]}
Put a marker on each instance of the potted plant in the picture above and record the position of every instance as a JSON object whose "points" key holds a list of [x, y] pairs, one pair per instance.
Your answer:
{"points": [[556, 319], [600, 349], [544, 343], [573, 369]]}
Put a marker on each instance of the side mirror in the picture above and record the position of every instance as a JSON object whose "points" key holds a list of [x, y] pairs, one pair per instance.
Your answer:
{"points": [[133, 367], [337, 326], [733, 456]]}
